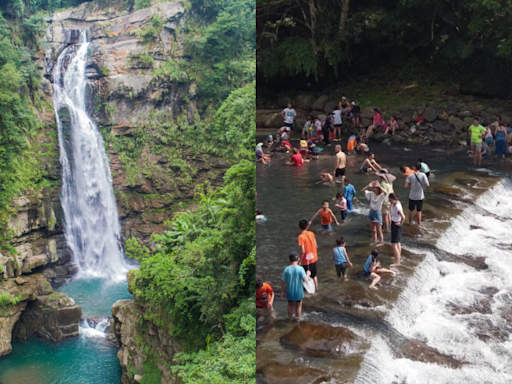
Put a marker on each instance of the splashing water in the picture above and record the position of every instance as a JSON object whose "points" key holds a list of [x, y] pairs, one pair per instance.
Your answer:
{"points": [[91, 220], [478, 338], [94, 332]]}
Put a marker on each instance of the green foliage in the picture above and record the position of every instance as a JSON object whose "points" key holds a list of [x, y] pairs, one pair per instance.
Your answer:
{"points": [[5, 299], [151, 373], [151, 30], [141, 4], [230, 360], [139, 60], [171, 71]]}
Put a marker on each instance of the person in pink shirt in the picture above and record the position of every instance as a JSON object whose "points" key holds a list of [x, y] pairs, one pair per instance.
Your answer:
{"points": [[377, 123]]}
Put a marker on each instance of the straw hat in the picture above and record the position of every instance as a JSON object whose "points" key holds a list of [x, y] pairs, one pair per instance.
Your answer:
{"points": [[386, 175]]}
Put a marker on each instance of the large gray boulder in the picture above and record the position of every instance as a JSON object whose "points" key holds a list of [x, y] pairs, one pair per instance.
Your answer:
{"points": [[430, 115], [319, 103]]}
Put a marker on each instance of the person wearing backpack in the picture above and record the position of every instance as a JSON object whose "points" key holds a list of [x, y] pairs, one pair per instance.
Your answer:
{"points": [[416, 181]]}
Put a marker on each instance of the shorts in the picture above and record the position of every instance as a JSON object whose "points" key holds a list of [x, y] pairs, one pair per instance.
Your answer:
{"points": [[366, 273], [303, 151], [289, 125], [355, 115], [427, 174], [344, 214], [293, 301], [364, 170], [377, 127], [341, 269], [340, 172], [327, 227], [476, 146], [415, 204], [337, 125], [396, 233], [386, 207], [375, 216], [312, 268]]}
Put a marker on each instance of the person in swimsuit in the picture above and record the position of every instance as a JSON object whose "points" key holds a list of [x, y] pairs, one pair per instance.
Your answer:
{"points": [[370, 165], [372, 269], [501, 141], [327, 177], [326, 216], [341, 163]]}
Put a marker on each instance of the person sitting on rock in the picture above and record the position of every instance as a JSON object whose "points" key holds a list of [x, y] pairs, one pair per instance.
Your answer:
{"points": [[372, 269], [393, 126], [344, 106], [313, 150], [355, 115], [377, 123]]}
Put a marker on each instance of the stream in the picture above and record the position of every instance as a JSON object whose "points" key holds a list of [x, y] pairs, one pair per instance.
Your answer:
{"points": [[450, 300], [92, 232]]}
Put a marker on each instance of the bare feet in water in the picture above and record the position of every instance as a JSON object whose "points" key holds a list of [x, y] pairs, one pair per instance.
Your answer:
{"points": [[374, 288]]}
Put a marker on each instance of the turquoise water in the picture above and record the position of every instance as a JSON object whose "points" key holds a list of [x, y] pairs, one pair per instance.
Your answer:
{"points": [[81, 360]]}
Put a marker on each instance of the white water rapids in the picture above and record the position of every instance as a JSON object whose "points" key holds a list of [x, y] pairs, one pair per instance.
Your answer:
{"points": [[92, 226], [422, 310]]}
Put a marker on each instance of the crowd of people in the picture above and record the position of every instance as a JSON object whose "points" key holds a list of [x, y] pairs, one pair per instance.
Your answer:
{"points": [[386, 211]]}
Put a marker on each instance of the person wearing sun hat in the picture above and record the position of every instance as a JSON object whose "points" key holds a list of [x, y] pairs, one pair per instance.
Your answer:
{"points": [[387, 186], [376, 197]]}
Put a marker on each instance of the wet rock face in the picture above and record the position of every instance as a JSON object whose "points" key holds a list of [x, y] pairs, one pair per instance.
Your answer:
{"points": [[37, 311], [128, 327], [53, 317], [319, 340], [275, 373], [418, 351]]}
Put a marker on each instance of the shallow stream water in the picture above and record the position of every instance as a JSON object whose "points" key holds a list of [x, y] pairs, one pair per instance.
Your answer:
{"points": [[457, 261]]}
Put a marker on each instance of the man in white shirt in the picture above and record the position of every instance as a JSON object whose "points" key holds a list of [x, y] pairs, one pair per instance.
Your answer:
{"points": [[337, 122], [417, 181], [289, 115]]}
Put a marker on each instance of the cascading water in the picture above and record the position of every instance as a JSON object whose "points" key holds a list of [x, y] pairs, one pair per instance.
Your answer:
{"points": [[480, 338], [92, 227]]}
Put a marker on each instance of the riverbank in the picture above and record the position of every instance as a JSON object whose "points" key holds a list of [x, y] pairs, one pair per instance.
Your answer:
{"points": [[343, 319], [445, 119]]}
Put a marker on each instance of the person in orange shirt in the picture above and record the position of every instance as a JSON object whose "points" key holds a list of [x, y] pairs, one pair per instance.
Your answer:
{"points": [[326, 216], [406, 171], [264, 295], [309, 256]]}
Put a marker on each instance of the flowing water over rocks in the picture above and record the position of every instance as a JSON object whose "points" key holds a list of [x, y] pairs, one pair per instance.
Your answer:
{"points": [[91, 221], [443, 319]]}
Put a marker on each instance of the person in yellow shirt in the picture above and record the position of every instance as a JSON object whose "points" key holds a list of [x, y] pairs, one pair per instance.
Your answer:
{"points": [[476, 132]]}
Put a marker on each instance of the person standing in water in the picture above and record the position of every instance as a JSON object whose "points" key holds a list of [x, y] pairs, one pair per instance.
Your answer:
{"points": [[397, 222], [377, 197], [341, 163], [387, 186], [417, 181], [349, 192], [288, 115], [309, 258], [476, 132], [326, 216], [341, 259], [501, 141], [264, 296], [372, 269], [341, 204], [291, 286]]}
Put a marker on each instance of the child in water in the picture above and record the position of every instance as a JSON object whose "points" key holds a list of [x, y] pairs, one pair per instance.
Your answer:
{"points": [[341, 259], [349, 192], [372, 269], [260, 218], [326, 176], [326, 216], [341, 203]]}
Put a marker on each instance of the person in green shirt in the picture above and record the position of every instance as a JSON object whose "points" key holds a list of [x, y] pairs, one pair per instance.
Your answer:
{"points": [[476, 132]]}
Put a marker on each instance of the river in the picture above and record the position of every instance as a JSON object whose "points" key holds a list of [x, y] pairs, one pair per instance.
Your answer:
{"points": [[443, 319]]}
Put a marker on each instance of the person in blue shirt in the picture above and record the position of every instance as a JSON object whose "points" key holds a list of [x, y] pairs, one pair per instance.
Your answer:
{"points": [[349, 193], [341, 258], [291, 286], [372, 269]]}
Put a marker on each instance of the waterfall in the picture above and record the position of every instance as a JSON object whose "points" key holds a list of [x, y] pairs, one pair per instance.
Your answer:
{"points": [[92, 226], [422, 310]]}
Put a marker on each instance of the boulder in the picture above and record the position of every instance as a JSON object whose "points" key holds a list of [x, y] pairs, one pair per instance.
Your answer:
{"points": [[430, 115], [418, 351], [276, 373], [379, 136], [319, 339], [305, 101], [283, 101], [319, 103], [53, 317], [449, 191], [442, 126], [329, 106], [136, 204], [475, 108]]}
